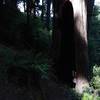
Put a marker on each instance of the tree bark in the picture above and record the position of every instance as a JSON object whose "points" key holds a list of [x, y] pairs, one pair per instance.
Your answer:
{"points": [[80, 37], [63, 41], [48, 14], [81, 45]]}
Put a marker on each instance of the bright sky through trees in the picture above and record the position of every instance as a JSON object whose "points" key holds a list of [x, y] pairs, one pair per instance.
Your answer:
{"points": [[21, 7], [97, 2]]}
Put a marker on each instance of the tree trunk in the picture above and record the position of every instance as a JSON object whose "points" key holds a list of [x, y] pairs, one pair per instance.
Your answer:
{"points": [[63, 41], [28, 12], [24, 5], [42, 11], [48, 14], [80, 40], [81, 48]]}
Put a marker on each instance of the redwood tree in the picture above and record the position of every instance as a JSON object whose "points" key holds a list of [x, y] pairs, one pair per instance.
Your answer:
{"points": [[80, 40]]}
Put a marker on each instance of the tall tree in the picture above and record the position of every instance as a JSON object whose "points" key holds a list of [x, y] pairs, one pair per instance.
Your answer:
{"points": [[63, 41], [80, 39], [42, 10], [30, 7], [48, 14], [81, 48]]}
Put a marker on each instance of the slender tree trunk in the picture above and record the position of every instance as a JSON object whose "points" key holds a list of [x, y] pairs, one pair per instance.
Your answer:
{"points": [[56, 33], [48, 14], [42, 12], [24, 4], [28, 12]]}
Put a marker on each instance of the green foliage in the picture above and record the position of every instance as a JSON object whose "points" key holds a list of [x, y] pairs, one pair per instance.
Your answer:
{"points": [[96, 70], [42, 69], [94, 37], [87, 96], [42, 38], [25, 58], [16, 32], [95, 82], [97, 98], [96, 10], [93, 92]]}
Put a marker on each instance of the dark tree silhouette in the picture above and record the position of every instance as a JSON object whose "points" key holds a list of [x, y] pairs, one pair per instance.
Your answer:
{"points": [[66, 61], [48, 14]]}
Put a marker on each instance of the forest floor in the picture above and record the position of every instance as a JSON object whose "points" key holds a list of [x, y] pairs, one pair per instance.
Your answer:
{"points": [[49, 90]]}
